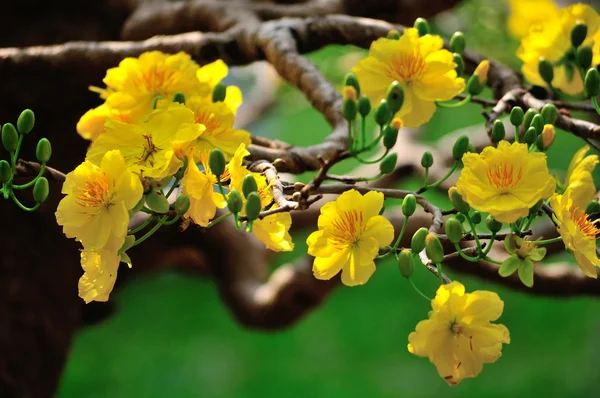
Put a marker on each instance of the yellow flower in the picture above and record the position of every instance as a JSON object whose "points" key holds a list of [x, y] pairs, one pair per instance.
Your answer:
{"points": [[100, 273], [349, 237], [552, 40], [482, 71], [505, 181], [459, 337], [527, 13], [209, 76], [96, 208], [148, 146], [579, 177], [578, 232], [91, 124], [420, 64]]}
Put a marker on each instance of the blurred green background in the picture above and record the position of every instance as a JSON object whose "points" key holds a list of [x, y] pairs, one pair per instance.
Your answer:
{"points": [[172, 336]]}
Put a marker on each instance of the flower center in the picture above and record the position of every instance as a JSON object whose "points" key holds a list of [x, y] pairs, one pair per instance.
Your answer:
{"points": [[583, 222], [504, 175], [409, 67], [156, 79], [527, 246], [209, 120], [94, 193], [348, 227], [149, 150]]}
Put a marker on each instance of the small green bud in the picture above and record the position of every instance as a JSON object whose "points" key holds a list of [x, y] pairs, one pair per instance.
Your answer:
{"points": [[382, 113], [460, 217], [493, 225], [41, 190], [578, 34], [417, 243], [529, 117], [351, 80], [592, 82], [235, 202], [474, 86], [539, 143], [458, 43], [388, 164], [460, 147], [349, 109], [434, 248], [546, 70], [216, 162], [460, 63], [249, 185], [457, 201], [422, 26], [10, 137], [393, 34], [179, 97], [219, 93], [476, 217], [585, 57], [43, 151], [364, 106], [427, 160], [538, 123], [549, 113], [409, 205], [253, 206], [454, 230], [593, 207], [516, 116], [5, 171], [390, 136], [25, 121], [530, 135], [498, 131], [182, 204], [406, 263], [395, 97], [157, 202]]}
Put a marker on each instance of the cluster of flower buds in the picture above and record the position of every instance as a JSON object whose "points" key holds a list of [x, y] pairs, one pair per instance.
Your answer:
{"points": [[536, 128]]}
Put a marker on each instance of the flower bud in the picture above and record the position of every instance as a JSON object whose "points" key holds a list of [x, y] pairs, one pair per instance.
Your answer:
{"points": [[460, 63], [393, 34], [219, 93], [25, 121], [427, 160], [395, 97], [457, 200], [516, 116], [5, 171], [216, 162], [529, 117], [382, 113], [422, 26], [457, 43], [397, 123], [409, 205], [43, 151], [182, 204], [417, 243], [157, 202], [179, 97], [460, 217], [474, 87], [538, 123], [390, 136], [498, 131], [493, 225], [249, 185], [549, 113], [349, 92], [253, 206], [349, 109], [530, 135], [593, 207], [584, 57], [476, 217], [41, 190], [547, 136], [578, 34], [351, 80], [454, 230], [482, 71], [235, 202], [364, 106], [460, 147], [388, 164], [406, 263], [592, 82], [434, 248], [10, 137], [546, 70]]}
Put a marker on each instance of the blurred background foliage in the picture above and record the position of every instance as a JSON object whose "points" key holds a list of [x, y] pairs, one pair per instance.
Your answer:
{"points": [[172, 336]]}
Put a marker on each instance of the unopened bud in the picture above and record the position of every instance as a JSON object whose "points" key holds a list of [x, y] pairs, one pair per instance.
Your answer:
{"points": [[364, 106], [458, 42], [460, 217], [388, 164], [474, 86], [585, 57], [409, 205], [548, 135], [417, 243], [182, 204], [351, 80], [235, 202], [249, 185], [422, 26], [537, 123], [592, 82], [516, 116], [219, 93], [529, 117], [482, 71], [5, 171], [460, 63], [530, 135], [454, 230], [298, 186], [578, 34], [434, 248], [460, 147], [25, 121], [493, 225], [397, 123], [498, 131], [382, 113], [549, 113], [406, 263], [476, 217], [546, 70], [157, 202], [349, 109], [10, 137], [43, 151], [390, 136], [179, 97], [349, 92], [427, 160], [393, 34], [216, 162], [41, 190], [457, 200], [253, 206], [395, 97]]}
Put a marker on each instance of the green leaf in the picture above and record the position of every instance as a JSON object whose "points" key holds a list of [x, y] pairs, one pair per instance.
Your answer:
{"points": [[537, 254], [526, 272], [509, 266]]}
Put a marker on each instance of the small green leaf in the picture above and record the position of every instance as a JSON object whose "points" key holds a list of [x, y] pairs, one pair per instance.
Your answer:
{"points": [[509, 266], [537, 254], [526, 272]]}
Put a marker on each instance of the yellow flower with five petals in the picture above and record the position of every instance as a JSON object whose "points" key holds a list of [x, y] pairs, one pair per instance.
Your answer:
{"points": [[525, 14], [579, 177]]}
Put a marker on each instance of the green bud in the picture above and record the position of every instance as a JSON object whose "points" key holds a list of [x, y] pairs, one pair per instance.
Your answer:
{"points": [[538, 123], [41, 190], [460, 147], [427, 160], [516, 116], [493, 225], [406, 263], [549, 113], [25, 122], [539, 143], [584, 57], [382, 113], [5, 171], [253, 206], [388, 164], [43, 151], [460, 63], [460, 217], [457, 201], [10, 137], [219, 93], [364, 106], [395, 97], [474, 86], [546, 70], [179, 97], [182, 204], [592, 83], [422, 26], [530, 135], [393, 34], [476, 217], [498, 131], [458, 43], [349, 109], [352, 80], [454, 230], [249, 185], [216, 162], [529, 117], [390, 136], [434, 248], [409, 205], [235, 202], [593, 207], [157, 202], [138, 206], [578, 34], [417, 243]]}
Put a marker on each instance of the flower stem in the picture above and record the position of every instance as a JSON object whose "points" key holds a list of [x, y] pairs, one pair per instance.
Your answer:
{"points": [[412, 283], [364, 161], [595, 102], [549, 241], [465, 256], [172, 188], [444, 178], [21, 205], [32, 182], [464, 101], [363, 132], [219, 219], [148, 234], [440, 273], [402, 230], [144, 225], [477, 243], [426, 180], [491, 260]]}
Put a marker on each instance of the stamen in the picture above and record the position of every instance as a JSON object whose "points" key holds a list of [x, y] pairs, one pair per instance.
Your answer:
{"points": [[94, 193], [408, 66], [589, 227], [504, 175], [349, 227]]}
